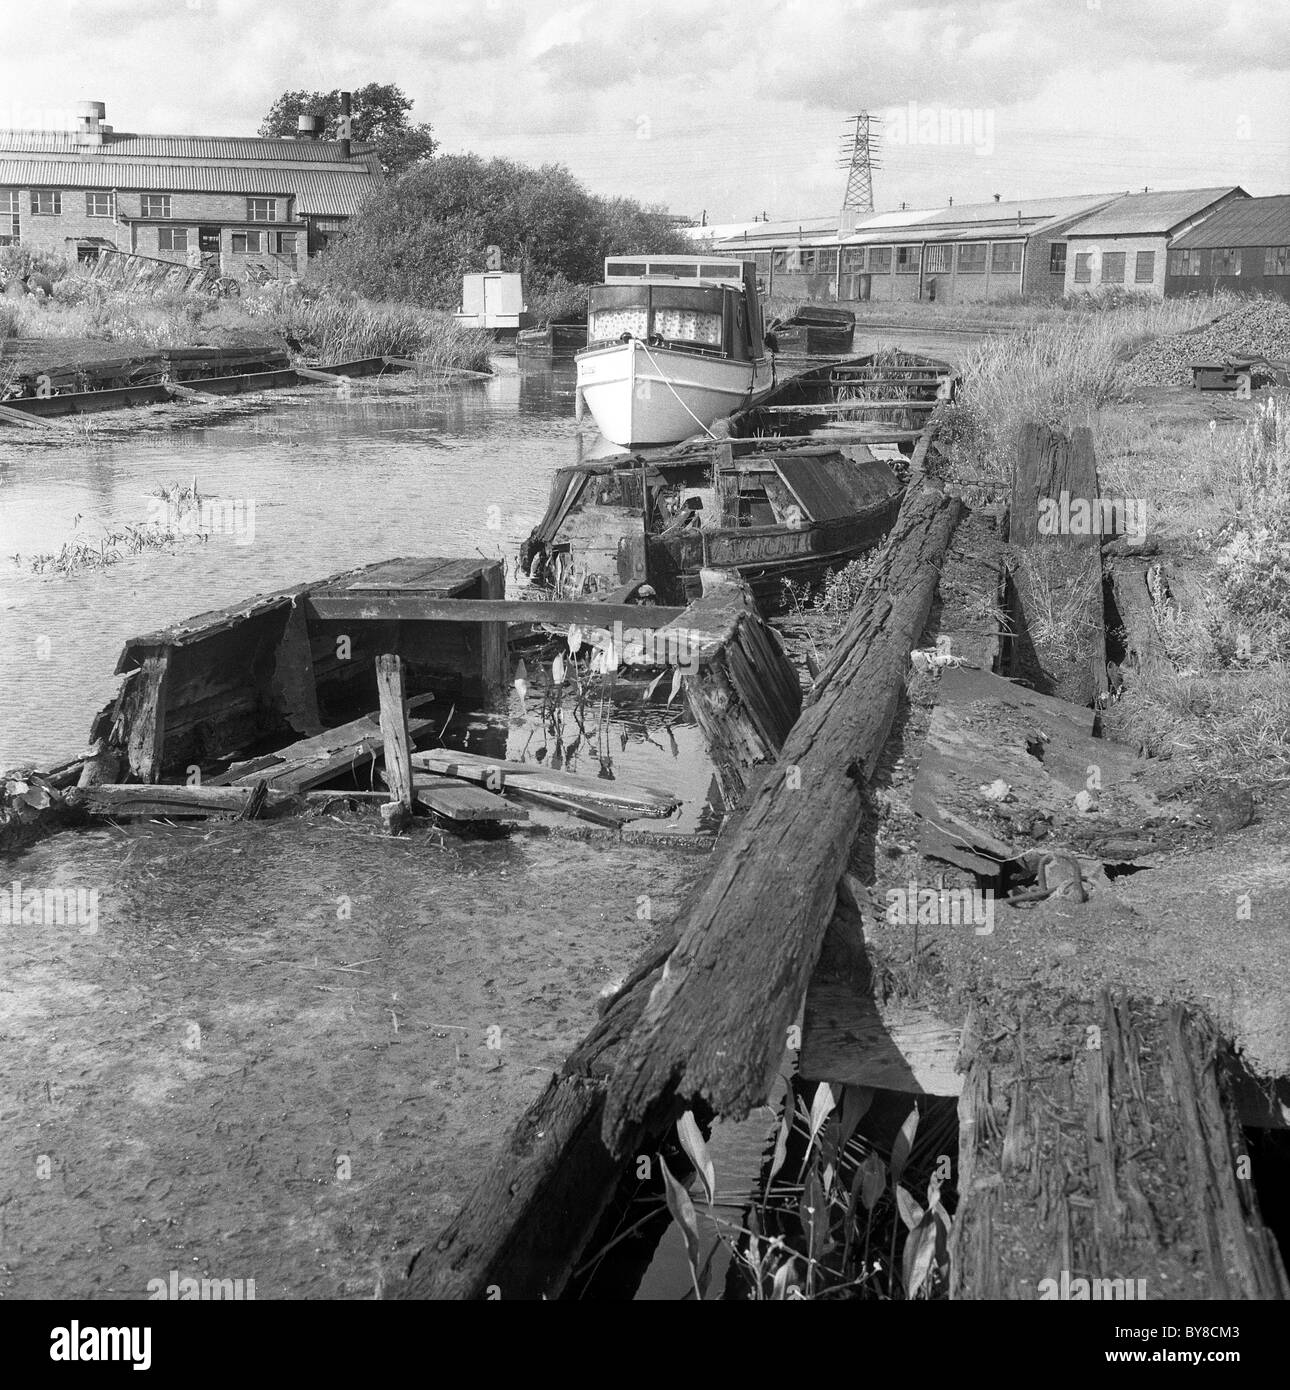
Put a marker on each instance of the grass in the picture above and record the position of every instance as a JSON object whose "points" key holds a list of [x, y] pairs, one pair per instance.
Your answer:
{"points": [[328, 327]]}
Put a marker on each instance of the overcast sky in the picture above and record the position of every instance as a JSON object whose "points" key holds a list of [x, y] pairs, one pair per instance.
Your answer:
{"points": [[730, 106]]}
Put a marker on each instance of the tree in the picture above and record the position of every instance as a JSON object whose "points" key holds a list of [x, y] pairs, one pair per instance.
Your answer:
{"points": [[380, 115], [418, 235]]}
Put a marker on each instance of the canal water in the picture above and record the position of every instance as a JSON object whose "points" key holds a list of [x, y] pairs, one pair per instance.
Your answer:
{"points": [[325, 481]]}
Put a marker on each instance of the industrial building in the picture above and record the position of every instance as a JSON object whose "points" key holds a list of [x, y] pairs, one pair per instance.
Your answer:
{"points": [[1245, 248], [223, 202], [974, 251], [1123, 246]]}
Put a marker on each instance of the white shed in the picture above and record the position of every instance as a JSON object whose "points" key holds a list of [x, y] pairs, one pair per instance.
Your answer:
{"points": [[493, 300]]}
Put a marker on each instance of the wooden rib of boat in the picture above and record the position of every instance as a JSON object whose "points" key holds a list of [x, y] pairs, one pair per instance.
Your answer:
{"points": [[815, 330], [794, 489]]}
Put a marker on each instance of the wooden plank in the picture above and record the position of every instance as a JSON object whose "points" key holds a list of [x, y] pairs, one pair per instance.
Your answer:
{"points": [[849, 1038], [748, 942], [840, 407], [646, 801], [18, 417], [609, 818], [494, 656], [134, 801], [459, 801], [432, 370], [328, 605], [398, 744], [294, 682], [315, 760]]}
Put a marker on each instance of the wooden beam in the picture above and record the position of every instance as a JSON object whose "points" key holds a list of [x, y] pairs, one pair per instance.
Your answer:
{"points": [[18, 417], [141, 718], [496, 773], [748, 942], [494, 658], [350, 605], [398, 744], [459, 801], [136, 800], [840, 407]]}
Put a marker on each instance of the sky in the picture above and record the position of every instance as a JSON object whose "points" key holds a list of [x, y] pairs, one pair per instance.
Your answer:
{"points": [[731, 108]]}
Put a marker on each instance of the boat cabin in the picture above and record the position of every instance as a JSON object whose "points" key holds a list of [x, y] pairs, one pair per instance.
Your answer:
{"points": [[698, 304]]}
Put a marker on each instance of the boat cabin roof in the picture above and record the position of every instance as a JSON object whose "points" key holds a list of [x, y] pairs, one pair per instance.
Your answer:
{"points": [[686, 270]]}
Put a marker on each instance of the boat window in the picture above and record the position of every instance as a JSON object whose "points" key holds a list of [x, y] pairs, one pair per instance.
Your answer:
{"points": [[626, 268], [674, 272], [688, 326], [608, 325], [722, 272]]}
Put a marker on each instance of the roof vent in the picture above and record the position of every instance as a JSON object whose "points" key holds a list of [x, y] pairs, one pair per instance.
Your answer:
{"points": [[89, 127], [308, 127]]}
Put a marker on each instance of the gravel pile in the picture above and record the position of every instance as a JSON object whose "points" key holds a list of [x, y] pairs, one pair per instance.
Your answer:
{"points": [[1261, 328]]}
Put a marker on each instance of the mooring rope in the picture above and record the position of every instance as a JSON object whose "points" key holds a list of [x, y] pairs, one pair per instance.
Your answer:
{"points": [[673, 390]]}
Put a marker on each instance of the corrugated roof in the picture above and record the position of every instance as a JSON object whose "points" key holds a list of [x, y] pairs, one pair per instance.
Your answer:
{"points": [[1150, 213], [1248, 222], [318, 192], [238, 148]]}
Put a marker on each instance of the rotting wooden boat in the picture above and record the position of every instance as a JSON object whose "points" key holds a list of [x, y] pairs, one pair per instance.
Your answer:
{"points": [[815, 330], [556, 339], [798, 486], [673, 343]]}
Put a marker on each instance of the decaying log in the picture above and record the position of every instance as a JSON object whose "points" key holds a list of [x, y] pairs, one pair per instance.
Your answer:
{"points": [[716, 1022], [1144, 647]]}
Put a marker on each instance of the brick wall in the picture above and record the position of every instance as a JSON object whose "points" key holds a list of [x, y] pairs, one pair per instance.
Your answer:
{"points": [[1129, 246]]}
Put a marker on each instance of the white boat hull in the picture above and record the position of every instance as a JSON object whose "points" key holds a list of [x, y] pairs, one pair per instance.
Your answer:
{"points": [[643, 396]]}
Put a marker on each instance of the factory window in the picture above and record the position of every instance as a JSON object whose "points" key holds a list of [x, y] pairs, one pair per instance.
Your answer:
{"points": [[1083, 267], [826, 261], [98, 205], [1227, 261], [1005, 258], [853, 260], [8, 219], [807, 262], [261, 209], [1184, 263], [908, 259], [284, 245], [880, 260], [972, 258], [781, 258], [1113, 267], [938, 259], [1057, 258], [46, 203], [762, 260], [248, 243], [154, 205], [1276, 259], [172, 238], [1144, 268]]}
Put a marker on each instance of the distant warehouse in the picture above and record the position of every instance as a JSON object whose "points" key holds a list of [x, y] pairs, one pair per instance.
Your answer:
{"points": [[216, 201], [973, 251], [1245, 247], [1123, 246]]}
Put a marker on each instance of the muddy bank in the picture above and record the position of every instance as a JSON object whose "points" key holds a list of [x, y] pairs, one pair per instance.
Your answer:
{"points": [[271, 1060]]}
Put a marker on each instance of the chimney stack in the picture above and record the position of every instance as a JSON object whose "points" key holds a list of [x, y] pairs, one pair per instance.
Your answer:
{"points": [[346, 124], [308, 127]]}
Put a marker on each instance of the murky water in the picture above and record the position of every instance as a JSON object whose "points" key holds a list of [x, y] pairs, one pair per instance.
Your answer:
{"points": [[398, 469]]}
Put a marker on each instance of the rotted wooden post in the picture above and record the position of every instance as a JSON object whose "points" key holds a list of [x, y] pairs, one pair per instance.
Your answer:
{"points": [[398, 743]]}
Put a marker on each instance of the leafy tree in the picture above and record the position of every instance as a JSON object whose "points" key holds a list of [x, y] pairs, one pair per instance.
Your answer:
{"points": [[379, 114], [418, 235]]}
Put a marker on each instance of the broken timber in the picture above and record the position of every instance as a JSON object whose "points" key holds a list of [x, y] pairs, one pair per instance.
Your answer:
{"points": [[760, 918], [1104, 1150]]}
